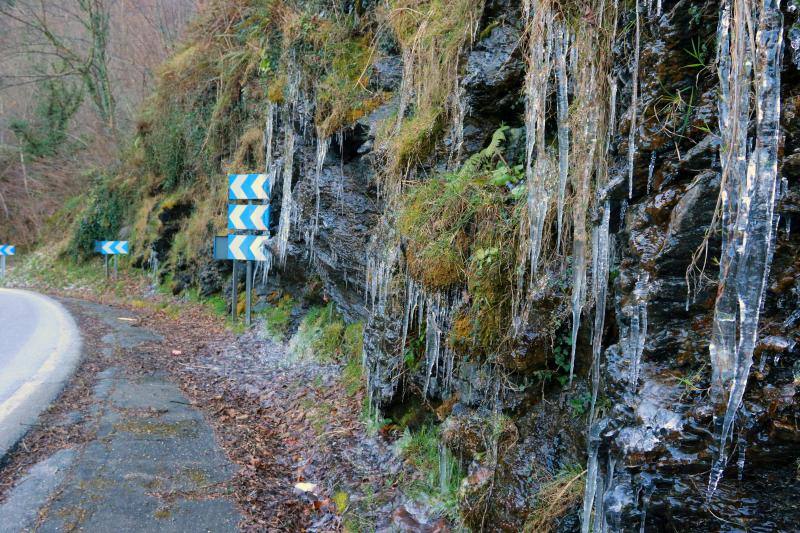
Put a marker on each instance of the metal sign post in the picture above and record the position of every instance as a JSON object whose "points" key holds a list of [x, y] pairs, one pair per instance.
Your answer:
{"points": [[249, 289], [234, 295], [5, 249], [250, 232], [115, 248]]}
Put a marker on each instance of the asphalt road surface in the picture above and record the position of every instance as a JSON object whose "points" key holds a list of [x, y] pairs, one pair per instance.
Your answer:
{"points": [[39, 350]]}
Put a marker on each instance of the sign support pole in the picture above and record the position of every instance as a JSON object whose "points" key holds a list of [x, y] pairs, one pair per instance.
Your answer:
{"points": [[106, 265], [234, 299], [2, 267], [249, 288]]}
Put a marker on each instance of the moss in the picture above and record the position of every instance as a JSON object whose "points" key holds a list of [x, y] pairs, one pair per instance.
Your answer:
{"points": [[276, 88], [277, 318], [324, 336], [461, 230], [432, 34]]}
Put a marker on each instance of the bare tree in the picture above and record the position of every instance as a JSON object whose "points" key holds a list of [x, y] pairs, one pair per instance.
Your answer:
{"points": [[85, 53]]}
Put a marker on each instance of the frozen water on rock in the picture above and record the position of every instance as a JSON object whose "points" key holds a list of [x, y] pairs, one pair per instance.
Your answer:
{"points": [[600, 268], [269, 134], [287, 203], [561, 50], [459, 112], [634, 102], [537, 166], [794, 41], [439, 355], [748, 198], [636, 332], [651, 170], [323, 143]]}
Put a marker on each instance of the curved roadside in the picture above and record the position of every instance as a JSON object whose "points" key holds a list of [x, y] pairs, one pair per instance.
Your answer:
{"points": [[41, 349]]}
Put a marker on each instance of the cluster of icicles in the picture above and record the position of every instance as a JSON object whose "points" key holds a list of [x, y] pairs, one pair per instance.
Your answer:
{"points": [[577, 62], [749, 61], [294, 110]]}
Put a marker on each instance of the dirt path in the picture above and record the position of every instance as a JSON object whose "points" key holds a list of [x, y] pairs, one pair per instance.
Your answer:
{"points": [[173, 418]]}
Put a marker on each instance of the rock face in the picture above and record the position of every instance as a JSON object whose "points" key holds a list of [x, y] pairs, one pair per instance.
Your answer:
{"points": [[654, 438]]}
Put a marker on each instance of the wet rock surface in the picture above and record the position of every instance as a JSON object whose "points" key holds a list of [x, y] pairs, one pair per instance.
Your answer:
{"points": [[654, 438]]}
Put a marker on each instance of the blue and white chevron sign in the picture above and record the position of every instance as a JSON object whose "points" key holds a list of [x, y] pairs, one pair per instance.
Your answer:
{"points": [[111, 247], [7, 249], [252, 217], [247, 247], [248, 187]]}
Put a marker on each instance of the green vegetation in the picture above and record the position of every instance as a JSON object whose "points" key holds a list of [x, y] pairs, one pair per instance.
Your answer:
{"points": [[352, 375], [277, 318], [437, 474], [106, 209], [461, 229], [58, 101], [432, 35], [324, 336]]}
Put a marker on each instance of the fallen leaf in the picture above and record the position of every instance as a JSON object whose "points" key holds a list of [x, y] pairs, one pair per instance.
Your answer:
{"points": [[305, 487]]}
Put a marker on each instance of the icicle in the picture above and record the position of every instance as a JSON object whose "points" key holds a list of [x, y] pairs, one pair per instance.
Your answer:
{"points": [[287, 203], [591, 478], [794, 42], [623, 210], [741, 459], [459, 112], [585, 161], [600, 268], [648, 494], [612, 110], [340, 184], [322, 152], [433, 338], [561, 51], [748, 199], [269, 133], [650, 170], [537, 168], [634, 104], [406, 86], [444, 471], [637, 332]]}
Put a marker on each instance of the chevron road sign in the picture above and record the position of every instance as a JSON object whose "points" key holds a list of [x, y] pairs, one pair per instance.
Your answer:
{"points": [[7, 249], [247, 247], [111, 247], [248, 217], [248, 187]]}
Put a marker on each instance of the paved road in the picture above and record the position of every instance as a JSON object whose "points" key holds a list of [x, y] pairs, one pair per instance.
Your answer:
{"points": [[39, 350], [147, 460]]}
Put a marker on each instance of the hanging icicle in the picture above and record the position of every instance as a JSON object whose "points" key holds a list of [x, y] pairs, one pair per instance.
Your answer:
{"points": [[537, 166], [562, 50], [323, 143], [747, 198], [634, 102]]}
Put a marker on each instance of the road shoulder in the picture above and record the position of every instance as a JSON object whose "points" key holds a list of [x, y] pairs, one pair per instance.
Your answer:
{"points": [[21, 411]]}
